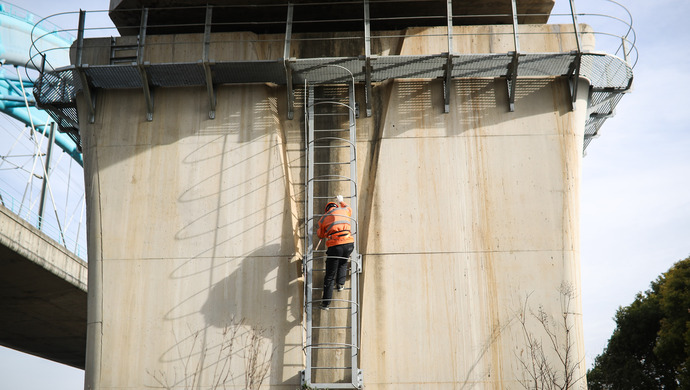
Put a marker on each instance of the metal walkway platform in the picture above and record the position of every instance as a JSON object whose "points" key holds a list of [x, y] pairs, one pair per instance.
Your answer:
{"points": [[608, 75]]}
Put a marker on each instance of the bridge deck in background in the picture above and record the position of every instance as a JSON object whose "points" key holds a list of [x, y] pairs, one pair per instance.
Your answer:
{"points": [[42, 294]]}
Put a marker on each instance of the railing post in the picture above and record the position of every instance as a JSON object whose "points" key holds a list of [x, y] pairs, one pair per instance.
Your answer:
{"points": [[576, 28], [286, 62], [516, 39], [367, 58], [447, 80], [625, 49], [39, 85], [206, 63], [574, 73], [80, 36], [88, 96], [141, 64]]}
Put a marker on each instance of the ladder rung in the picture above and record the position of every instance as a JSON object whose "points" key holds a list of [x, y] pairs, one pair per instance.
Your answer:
{"points": [[332, 100], [331, 147], [338, 105], [333, 163], [332, 97], [331, 368], [331, 327], [126, 60], [330, 130], [331, 180], [332, 386], [333, 345], [333, 114]]}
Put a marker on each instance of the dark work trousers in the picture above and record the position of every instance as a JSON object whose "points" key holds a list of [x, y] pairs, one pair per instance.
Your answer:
{"points": [[336, 265]]}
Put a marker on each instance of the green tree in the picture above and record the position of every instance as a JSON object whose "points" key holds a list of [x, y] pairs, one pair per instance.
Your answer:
{"points": [[650, 347]]}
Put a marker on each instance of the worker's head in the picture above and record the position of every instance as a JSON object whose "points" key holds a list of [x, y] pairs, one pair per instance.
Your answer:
{"points": [[330, 205]]}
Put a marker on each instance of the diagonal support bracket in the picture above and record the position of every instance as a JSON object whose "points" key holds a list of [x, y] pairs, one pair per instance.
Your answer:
{"points": [[574, 77], [290, 91], [511, 79], [89, 95], [210, 90], [148, 94], [447, 82], [368, 86]]}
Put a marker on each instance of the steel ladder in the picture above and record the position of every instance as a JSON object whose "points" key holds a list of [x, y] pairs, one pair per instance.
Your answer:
{"points": [[331, 337]]}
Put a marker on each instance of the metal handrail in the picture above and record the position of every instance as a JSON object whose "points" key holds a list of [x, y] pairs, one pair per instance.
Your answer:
{"points": [[626, 45]]}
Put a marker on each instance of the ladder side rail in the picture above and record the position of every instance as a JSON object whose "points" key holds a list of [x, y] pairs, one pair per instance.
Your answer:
{"points": [[309, 222], [355, 267]]}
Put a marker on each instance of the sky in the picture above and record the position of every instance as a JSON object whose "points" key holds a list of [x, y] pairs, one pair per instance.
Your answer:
{"points": [[635, 202]]}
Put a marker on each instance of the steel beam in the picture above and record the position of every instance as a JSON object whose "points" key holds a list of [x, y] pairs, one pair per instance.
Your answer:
{"points": [[286, 63]]}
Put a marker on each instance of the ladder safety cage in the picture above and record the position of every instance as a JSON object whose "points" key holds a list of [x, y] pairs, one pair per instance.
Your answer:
{"points": [[331, 345]]}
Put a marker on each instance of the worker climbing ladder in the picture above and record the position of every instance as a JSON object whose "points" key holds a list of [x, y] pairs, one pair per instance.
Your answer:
{"points": [[332, 337]]}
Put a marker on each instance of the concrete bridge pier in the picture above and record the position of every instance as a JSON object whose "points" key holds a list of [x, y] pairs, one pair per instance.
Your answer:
{"points": [[469, 234]]}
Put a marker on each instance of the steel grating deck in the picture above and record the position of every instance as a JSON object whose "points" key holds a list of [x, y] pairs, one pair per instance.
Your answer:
{"points": [[609, 76]]}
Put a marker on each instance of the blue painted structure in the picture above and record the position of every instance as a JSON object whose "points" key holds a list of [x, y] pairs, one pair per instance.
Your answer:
{"points": [[18, 35]]}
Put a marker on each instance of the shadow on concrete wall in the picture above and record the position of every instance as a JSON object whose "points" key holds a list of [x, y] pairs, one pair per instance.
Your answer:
{"points": [[247, 318], [259, 302], [249, 313], [259, 295]]}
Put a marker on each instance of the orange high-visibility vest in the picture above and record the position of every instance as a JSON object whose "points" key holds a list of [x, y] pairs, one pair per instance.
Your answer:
{"points": [[335, 225]]}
